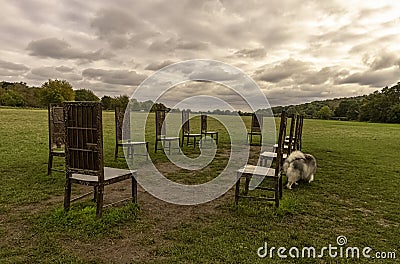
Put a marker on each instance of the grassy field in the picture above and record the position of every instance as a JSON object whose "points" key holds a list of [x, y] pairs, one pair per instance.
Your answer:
{"points": [[355, 194]]}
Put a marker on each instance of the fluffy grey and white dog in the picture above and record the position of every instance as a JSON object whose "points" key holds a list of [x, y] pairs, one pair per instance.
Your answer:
{"points": [[299, 166]]}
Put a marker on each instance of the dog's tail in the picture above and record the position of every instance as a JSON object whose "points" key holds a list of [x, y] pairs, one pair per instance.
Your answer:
{"points": [[295, 155]]}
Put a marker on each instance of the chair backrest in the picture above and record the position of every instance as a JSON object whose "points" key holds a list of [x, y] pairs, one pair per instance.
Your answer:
{"points": [[120, 117], [185, 122], [299, 132], [203, 123], [56, 126], [293, 124], [256, 122], [160, 128], [84, 138], [281, 141]]}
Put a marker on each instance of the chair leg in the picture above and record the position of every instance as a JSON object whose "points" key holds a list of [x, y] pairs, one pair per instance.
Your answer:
{"points": [[280, 187], [50, 164], [147, 150], [99, 208], [276, 193], [237, 192], [246, 187], [95, 194], [67, 195], [134, 190], [116, 152]]}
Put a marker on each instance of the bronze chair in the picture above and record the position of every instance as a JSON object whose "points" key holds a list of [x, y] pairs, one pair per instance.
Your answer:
{"points": [[256, 128], [272, 174], [56, 135], [186, 130], [120, 113], [288, 146], [299, 133], [161, 133], [204, 130], [84, 154]]}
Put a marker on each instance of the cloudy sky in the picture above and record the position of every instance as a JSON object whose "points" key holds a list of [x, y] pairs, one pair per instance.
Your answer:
{"points": [[296, 51]]}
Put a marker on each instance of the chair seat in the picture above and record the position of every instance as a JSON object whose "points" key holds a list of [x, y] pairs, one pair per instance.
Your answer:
{"points": [[192, 135], [131, 143], [58, 151], [268, 154], [210, 132], [256, 171], [169, 138], [111, 175]]}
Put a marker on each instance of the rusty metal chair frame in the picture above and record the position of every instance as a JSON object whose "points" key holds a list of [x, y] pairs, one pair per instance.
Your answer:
{"points": [[274, 174], [122, 116], [255, 128], [56, 135], [186, 130], [84, 158], [161, 133], [204, 130]]}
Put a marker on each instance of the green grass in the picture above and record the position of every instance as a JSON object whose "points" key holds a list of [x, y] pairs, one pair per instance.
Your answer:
{"points": [[355, 194]]}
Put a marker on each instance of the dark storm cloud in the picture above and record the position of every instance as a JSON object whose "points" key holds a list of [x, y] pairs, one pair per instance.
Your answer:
{"points": [[60, 49], [377, 79], [276, 73], [155, 66], [49, 72], [119, 77], [12, 69]]}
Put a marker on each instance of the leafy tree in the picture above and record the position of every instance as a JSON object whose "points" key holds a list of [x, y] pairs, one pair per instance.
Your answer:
{"points": [[56, 91], [107, 102], [324, 113], [11, 98], [121, 101], [85, 95], [394, 114]]}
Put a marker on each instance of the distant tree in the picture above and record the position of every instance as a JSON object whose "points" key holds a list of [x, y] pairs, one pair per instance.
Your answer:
{"points": [[160, 106], [11, 98], [85, 95], [56, 91], [121, 101], [324, 113], [394, 114], [107, 102]]}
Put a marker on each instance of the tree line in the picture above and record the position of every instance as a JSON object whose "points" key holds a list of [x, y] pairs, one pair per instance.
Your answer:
{"points": [[380, 106], [58, 91]]}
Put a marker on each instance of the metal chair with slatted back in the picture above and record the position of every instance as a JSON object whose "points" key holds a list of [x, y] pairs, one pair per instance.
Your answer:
{"points": [[84, 154], [256, 128], [56, 135], [161, 133], [186, 130], [273, 174], [122, 116], [204, 130]]}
